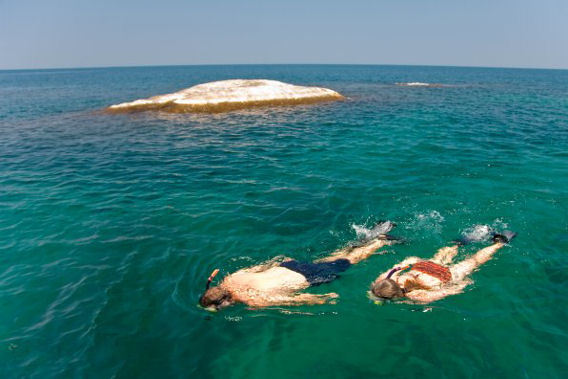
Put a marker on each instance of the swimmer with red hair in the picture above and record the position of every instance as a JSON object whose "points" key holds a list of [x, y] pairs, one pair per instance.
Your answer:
{"points": [[425, 281]]}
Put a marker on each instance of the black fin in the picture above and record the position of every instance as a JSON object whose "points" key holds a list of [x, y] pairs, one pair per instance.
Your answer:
{"points": [[388, 237], [504, 237], [381, 231], [383, 226]]}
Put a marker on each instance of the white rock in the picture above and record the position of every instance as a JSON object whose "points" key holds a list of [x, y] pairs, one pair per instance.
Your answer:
{"points": [[230, 94]]}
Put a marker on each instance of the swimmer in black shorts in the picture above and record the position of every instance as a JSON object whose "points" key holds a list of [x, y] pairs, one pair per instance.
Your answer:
{"points": [[279, 281]]}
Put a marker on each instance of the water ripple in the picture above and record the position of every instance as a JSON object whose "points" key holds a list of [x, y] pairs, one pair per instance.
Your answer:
{"points": [[110, 225]]}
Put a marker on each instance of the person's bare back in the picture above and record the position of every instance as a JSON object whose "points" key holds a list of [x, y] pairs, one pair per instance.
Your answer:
{"points": [[263, 288]]}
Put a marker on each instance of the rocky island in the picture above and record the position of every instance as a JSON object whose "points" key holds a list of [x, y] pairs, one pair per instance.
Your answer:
{"points": [[226, 95]]}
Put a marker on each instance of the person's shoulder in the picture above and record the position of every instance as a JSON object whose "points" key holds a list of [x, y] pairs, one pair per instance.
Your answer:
{"points": [[235, 278], [412, 260], [420, 296]]}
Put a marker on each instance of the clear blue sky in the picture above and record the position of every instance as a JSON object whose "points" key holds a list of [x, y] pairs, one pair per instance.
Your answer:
{"points": [[85, 33]]}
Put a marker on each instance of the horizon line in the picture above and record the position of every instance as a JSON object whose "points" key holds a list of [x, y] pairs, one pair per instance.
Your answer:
{"points": [[277, 64]]}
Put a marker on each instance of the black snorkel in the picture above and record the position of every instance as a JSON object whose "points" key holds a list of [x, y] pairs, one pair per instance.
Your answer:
{"points": [[207, 285], [396, 269]]}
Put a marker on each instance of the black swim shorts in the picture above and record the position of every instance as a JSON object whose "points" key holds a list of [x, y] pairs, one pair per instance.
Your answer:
{"points": [[319, 272]]}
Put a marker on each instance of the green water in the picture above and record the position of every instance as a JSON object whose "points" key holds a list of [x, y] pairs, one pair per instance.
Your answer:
{"points": [[110, 224]]}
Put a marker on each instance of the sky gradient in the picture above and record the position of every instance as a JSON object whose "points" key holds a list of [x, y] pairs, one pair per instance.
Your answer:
{"points": [[81, 33]]}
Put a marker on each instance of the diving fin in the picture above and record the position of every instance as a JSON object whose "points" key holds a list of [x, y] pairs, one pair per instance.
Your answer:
{"points": [[505, 237], [381, 230]]}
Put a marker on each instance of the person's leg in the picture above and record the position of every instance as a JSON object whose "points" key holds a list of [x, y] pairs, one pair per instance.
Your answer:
{"points": [[445, 255], [357, 254], [462, 269]]}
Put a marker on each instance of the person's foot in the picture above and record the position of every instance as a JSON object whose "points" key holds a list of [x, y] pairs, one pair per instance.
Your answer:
{"points": [[504, 237], [392, 239]]}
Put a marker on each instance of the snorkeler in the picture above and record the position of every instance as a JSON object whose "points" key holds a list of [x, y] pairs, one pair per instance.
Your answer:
{"points": [[278, 281], [425, 281]]}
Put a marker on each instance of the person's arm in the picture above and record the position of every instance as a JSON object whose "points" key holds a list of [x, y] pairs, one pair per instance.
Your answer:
{"points": [[293, 300], [428, 296]]}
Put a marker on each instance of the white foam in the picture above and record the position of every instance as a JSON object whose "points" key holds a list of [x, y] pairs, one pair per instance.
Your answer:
{"points": [[432, 221], [434, 216], [415, 84], [361, 231], [378, 230], [478, 233]]}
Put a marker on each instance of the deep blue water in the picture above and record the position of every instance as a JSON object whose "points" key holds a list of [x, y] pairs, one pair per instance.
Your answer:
{"points": [[110, 224]]}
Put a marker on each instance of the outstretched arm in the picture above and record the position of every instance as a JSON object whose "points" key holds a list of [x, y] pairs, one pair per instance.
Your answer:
{"points": [[294, 300], [428, 296]]}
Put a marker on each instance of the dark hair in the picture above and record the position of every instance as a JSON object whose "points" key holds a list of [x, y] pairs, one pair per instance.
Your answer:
{"points": [[387, 289], [214, 297]]}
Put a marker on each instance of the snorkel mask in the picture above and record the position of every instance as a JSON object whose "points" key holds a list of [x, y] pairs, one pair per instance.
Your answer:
{"points": [[388, 286]]}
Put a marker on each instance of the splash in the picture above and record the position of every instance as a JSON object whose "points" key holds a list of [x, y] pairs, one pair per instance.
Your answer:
{"points": [[431, 221], [431, 216], [234, 318], [229, 95], [499, 224], [381, 228], [478, 233]]}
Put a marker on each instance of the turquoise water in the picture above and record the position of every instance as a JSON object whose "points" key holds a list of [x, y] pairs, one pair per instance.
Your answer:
{"points": [[110, 224]]}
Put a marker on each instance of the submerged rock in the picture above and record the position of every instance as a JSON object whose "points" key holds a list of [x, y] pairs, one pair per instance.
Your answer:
{"points": [[228, 95]]}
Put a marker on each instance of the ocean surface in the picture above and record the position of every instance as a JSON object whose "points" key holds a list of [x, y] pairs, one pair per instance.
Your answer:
{"points": [[110, 224]]}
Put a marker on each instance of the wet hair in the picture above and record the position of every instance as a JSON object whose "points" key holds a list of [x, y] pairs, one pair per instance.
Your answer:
{"points": [[387, 289], [214, 297]]}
